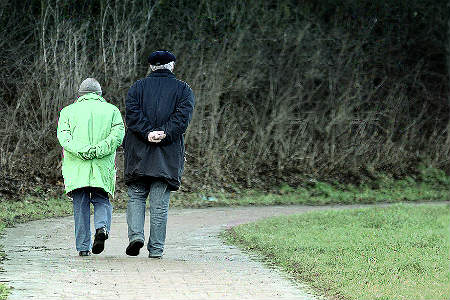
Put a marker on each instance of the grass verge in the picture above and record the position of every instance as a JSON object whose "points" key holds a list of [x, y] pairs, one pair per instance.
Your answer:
{"points": [[32, 209], [396, 252], [429, 185], [322, 194], [4, 291]]}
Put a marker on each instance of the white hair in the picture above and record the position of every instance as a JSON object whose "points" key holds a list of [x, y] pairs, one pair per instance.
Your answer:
{"points": [[168, 66]]}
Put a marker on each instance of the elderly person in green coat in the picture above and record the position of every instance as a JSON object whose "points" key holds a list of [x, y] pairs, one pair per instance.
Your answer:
{"points": [[90, 130]]}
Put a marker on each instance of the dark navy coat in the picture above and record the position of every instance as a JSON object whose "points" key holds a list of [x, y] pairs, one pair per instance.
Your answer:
{"points": [[157, 102]]}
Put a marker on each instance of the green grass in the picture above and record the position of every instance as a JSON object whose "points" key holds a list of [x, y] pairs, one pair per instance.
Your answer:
{"points": [[4, 291], [321, 193], [396, 252], [429, 184], [32, 209]]}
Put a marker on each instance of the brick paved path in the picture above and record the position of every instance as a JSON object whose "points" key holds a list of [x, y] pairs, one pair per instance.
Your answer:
{"points": [[42, 262]]}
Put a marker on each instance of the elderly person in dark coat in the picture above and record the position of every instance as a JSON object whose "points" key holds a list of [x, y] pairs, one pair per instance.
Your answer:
{"points": [[158, 111]]}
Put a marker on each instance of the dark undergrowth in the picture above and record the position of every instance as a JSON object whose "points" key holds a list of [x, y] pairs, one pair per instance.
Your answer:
{"points": [[287, 92]]}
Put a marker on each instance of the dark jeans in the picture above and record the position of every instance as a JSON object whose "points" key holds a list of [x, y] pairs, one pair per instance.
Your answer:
{"points": [[82, 198], [159, 206]]}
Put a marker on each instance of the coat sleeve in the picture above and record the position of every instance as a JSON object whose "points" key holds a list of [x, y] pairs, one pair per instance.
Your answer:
{"points": [[180, 118], [65, 138], [134, 116], [110, 144]]}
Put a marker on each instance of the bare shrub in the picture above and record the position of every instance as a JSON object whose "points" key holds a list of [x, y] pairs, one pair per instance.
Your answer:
{"points": [[281, 95]]}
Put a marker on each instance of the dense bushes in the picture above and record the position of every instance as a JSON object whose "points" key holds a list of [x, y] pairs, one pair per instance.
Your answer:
{"points": [[285, 90]]}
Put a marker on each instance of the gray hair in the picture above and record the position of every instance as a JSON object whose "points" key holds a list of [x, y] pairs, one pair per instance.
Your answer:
{"points": [[90, 85], [168, 66]]}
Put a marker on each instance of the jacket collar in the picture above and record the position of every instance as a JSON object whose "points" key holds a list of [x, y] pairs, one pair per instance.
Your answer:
{"points": [[90, 96], [162, 73]]}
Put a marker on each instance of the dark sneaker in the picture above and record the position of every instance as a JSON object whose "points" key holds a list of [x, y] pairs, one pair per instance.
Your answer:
{"points": [[84, 253], [134, 247], [155, 256], [99, 242]]}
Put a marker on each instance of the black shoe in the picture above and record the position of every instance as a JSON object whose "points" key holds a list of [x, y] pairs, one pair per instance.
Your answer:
{"points": [[134, 247], [155, 256], [84, 253], [101, 236]]}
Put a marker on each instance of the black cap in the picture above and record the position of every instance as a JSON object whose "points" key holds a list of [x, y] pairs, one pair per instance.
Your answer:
{"points": [[161, 57]]}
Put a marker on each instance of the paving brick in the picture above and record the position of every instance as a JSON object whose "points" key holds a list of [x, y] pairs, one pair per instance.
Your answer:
{"points": [[42, 262]]}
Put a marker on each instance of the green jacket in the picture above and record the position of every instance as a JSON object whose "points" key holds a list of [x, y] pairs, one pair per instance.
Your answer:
{"points": [[90, 130]]}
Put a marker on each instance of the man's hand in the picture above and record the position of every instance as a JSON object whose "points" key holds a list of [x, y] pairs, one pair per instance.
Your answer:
{"points": [[156, 136]]}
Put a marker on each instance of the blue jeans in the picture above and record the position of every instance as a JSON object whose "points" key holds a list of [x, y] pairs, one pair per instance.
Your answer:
{"points": [[159, 206], [82, 198]]}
